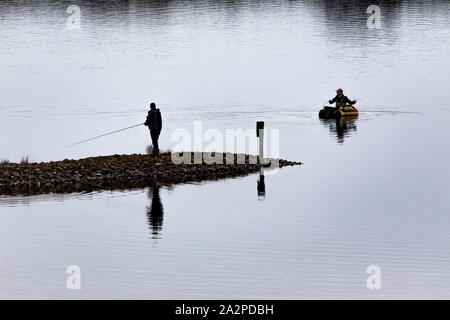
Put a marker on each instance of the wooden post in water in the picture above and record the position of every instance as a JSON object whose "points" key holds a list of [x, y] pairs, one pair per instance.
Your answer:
{"points": [[261, 186], [260, 135]]}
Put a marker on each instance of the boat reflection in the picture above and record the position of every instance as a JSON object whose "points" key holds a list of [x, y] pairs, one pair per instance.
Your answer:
{"points": [[155, 212], [343, 127]]}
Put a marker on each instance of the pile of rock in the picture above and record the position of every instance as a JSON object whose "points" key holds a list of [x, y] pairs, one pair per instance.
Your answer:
{"points": [[120, 171]]}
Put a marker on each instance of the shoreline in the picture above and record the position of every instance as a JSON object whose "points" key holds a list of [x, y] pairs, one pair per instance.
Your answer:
{"points": [[117, 172]]}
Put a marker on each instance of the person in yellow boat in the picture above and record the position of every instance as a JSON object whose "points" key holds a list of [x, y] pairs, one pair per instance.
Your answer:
{"points": [[340, 99]]}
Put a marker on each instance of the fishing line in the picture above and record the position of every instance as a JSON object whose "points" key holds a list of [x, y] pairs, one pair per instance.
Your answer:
{"points": [[103, 135]]}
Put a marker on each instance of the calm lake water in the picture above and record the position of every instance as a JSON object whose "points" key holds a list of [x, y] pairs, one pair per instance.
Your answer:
{"points": [[373, 191]]}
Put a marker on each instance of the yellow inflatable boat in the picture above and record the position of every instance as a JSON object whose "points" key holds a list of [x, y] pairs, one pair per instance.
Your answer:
{"points": [[335, 113]]}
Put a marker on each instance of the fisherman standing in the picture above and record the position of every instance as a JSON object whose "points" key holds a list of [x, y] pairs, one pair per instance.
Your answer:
{"points": [[154, 124], [340, 99]]}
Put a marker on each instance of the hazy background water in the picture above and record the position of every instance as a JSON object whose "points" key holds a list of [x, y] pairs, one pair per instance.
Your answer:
{"points": [[372, 191]]}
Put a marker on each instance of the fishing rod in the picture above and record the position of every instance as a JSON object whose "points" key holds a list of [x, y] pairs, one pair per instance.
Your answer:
{"points": [[103, 135]]}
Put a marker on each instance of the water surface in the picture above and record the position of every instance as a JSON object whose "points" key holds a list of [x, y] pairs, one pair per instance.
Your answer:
{"points": [[372, 191]]}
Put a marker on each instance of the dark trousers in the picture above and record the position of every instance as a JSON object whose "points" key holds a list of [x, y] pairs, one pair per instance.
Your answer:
{"points": [[155, 136]]}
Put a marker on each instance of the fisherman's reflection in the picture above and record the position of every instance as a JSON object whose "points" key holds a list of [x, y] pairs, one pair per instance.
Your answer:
{"points": [[155, 212], [342, 127]]}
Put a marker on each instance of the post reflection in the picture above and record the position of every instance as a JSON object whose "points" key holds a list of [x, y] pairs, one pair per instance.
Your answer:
{"points": [[261, 186], [155, 212], [341, 128]]}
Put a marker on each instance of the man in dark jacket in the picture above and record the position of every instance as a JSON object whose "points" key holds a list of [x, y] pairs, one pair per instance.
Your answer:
{"points": [[340, 99], [154, 124]]}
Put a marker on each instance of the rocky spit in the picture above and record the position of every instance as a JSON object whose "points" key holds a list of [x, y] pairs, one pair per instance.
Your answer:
{"points": [[118, 172]]}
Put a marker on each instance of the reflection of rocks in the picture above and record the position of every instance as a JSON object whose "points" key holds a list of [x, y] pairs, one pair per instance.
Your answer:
{"points": [[155, 212], [342, 127], [118, 171]]}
